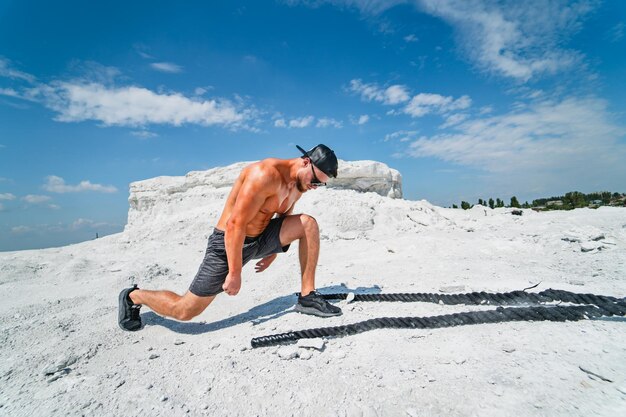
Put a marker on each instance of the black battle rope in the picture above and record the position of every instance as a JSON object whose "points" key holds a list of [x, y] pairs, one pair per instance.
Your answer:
{"points": [[596, 306]]}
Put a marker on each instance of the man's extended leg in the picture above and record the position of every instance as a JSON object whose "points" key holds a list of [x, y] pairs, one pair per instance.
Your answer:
{"points": [[170, 304]]}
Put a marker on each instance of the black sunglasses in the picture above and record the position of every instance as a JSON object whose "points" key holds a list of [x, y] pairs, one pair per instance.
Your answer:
{"points": [[316, 181]]}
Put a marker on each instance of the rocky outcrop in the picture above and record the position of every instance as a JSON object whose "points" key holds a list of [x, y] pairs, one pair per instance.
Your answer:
{"points": [[364, 201], [368, 176]]}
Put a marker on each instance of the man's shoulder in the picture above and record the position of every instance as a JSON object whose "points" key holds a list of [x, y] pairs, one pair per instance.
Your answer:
{"points": [[263, 172]]}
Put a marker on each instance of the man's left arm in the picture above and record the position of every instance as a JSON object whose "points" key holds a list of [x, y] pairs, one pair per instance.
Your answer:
{"points": [[264, 263]]}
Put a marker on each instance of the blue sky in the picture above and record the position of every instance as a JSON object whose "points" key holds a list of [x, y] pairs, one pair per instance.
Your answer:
{"points": [[468, 99]]}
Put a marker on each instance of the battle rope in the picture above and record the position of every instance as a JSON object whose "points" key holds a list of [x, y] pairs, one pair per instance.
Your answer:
{"points": [[596, 306]]}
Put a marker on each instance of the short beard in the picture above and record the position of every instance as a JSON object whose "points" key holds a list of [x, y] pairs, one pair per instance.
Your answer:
{"points": [[300, 186]]}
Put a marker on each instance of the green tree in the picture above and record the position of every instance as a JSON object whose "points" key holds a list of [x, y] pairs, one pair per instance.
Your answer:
{"points": [[514, 202], [491, 203], [499, 203], [465, 205], [455, 206], [574, 199]]}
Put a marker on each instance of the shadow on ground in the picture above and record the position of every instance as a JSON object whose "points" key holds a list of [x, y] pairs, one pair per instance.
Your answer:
{"points": [[269, 310]]}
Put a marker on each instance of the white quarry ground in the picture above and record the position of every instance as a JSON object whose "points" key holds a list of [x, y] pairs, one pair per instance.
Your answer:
{"points": [[62, 352]]}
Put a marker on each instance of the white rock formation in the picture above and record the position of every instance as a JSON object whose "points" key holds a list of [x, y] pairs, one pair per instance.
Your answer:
{"points": [[190, 201], [368, 176]]}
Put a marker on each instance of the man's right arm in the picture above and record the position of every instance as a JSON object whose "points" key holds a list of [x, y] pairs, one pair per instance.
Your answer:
{"points": [[254, 191]]}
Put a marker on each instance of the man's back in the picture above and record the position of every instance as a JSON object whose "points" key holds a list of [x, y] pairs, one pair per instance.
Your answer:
{"points": [[268, 178]]}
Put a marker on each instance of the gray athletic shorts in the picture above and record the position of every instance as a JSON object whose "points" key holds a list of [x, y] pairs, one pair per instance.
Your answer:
{"points": [[214, 268]]}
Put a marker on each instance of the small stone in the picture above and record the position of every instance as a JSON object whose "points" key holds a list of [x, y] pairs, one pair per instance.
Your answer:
{"points": [[576, 282], [54, 378], [317, 343], [339, 354], [204, 406], [508, 348], [589, 246], [287, 353], [153, 356], [215, 345], [149, 386], [452, 289], [305, 354], [179, 342], [164, 398], [149, 348], [49, 370], [350, 297]]}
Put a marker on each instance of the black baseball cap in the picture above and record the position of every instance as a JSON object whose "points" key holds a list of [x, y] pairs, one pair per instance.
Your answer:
{"points": [[323, 158]]}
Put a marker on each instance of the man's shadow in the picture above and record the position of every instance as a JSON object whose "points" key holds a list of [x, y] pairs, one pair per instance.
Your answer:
{"points": [[269, 310]]}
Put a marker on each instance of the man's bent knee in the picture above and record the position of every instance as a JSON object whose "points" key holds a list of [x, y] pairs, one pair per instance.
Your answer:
{"points": [[309, 223]]}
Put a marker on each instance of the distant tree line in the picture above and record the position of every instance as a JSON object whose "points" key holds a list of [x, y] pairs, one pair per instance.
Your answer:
{"points": [[569, 201]]}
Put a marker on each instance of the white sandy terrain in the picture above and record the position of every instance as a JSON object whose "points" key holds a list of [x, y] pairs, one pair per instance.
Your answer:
{"points": [[62, 352]]}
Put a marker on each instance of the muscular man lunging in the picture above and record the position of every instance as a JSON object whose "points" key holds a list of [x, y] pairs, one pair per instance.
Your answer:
{"points": [[248, 229]]}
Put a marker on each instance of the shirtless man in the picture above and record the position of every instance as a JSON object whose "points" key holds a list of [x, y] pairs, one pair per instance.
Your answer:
{"points": [[248, 230]]}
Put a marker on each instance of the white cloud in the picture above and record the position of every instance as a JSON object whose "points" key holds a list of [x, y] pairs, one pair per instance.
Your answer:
{"points": [[7, 71], [485, 110], [167, 67], [85, 99], [56, 184], [143, 134], [454, 119], [573, 141], [20, 229], [511, 38], [364, 118], [616, 33], [136, 106], [329, 122], [411, 38], [7, 196], [301, 122], [200, 91], [394, 94], [280, 123], [36, 199], [402, 135], [370, 7], [81, 223], [425, 103]]}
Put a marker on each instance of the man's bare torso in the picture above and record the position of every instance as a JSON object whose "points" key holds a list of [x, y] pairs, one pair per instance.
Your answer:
{"points": [[283, 193]]}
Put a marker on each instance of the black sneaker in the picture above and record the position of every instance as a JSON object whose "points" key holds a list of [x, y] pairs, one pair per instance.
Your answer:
{"points": [[128, 316], [314, 304]]}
